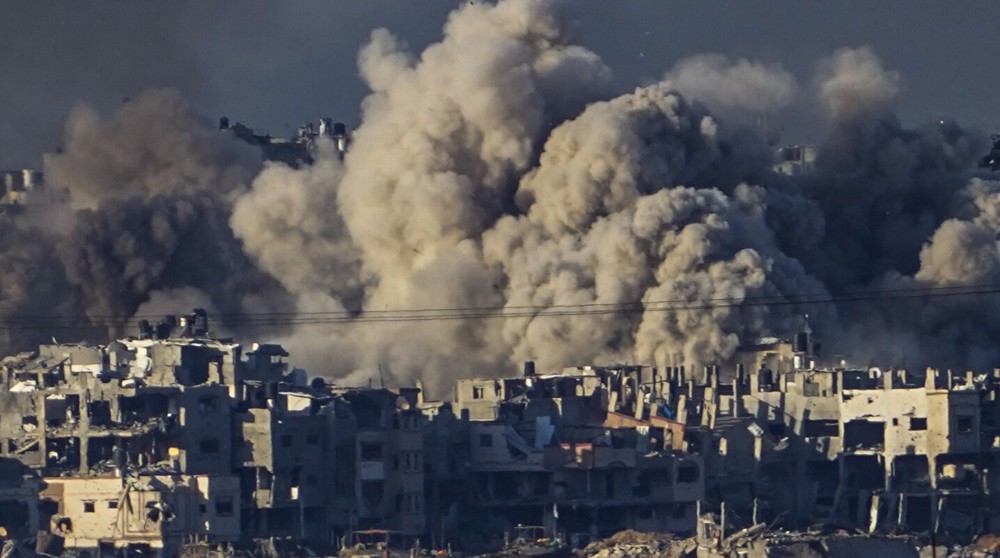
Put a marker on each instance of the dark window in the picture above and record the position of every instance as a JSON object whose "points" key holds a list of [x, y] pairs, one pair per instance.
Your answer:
{"points": [[371, 451], [202, 509], [88, 507], [207, 404], [820, 428], [209, 445], [112, 504], [918, 423], [895, 421], [477, 393], [810, 389], [264, 479], [224, 506], [486, 440], [860, 433], [687, 474], [411, 422], [965, 424], [286, 440], [678, 512]]}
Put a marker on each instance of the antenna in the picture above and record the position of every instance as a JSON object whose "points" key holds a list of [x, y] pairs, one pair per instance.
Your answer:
{"points": [[381, 378]]}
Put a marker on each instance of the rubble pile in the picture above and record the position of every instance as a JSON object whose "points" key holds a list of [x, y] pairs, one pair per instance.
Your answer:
{"points": [[987, 542], [631, 544]]}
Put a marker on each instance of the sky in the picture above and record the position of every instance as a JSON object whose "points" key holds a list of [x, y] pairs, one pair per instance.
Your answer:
{"points": [[276, 65]]}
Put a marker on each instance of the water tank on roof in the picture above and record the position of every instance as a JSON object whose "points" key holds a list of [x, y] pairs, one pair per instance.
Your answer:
{"points": [[326, 127], [529, 368], [802, 342]]}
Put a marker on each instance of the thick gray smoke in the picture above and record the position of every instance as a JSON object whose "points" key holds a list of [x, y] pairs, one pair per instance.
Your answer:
{"points": [[734, 89], [152, 145], [882, 188], [150, 191], [32, 284], [626, 205], [492, 171], [494, 174], [157, 184], [435, 163], [461, 192]]}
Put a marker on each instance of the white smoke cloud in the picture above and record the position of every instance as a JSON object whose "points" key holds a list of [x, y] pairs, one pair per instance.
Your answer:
{"points": [[854, 83], [492, 173], [729, 86], [609, 221]]}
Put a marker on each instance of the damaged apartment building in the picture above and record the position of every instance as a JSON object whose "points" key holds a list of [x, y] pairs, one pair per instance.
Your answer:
{"points": [[293, 151], [172, 436], [775, 437], [117, 435], [890, 450], [585, 452]]}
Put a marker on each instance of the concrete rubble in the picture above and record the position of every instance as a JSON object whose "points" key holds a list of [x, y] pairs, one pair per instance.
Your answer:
{"points": [[634, 544]]}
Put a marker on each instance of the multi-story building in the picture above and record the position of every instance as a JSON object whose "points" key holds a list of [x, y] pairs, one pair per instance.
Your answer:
{"points": [[881, 449], [875, 446], [170, 437], [584, 452], [294, 151]]}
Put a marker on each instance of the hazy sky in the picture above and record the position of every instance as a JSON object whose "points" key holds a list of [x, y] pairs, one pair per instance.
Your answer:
{"points": [[274, 65]]}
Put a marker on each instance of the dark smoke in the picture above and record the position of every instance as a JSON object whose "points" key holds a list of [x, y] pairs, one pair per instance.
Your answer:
{"points": [[32, 285], [150, 190]]}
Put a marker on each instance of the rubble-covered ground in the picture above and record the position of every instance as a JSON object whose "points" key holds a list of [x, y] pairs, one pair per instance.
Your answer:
{"points": [[782, 544], [635, 544]]}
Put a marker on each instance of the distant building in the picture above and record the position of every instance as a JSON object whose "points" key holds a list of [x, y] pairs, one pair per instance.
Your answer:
{"points": [[21, 188], [172, 437], [992, 159], [296, 151], [794, 160], [585, 453]]}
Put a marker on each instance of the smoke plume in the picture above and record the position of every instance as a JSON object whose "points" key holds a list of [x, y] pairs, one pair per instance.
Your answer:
{"points": [[150, 191], [496, 183], [729, 87]]}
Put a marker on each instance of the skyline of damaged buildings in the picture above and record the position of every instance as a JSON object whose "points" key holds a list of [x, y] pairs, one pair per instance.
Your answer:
{"points": [[23, 187], [173, 436]]}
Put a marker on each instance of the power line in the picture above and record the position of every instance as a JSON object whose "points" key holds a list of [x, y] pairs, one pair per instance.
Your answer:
{"points": [[508, 312]]}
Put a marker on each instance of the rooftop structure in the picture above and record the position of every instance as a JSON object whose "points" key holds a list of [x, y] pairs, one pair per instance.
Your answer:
{"points": [[795, 159], [294, 151]]}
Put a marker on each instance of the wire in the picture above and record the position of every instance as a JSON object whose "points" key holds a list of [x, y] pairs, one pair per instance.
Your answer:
{"points": [[509, 312]]}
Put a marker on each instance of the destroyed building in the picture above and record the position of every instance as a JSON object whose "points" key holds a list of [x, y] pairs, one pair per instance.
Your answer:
{"points": [[21, 188], [586, 452], [171, 437], [294, 151], [880, 450], [793, 160]]}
